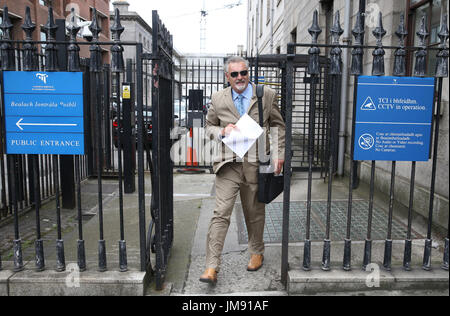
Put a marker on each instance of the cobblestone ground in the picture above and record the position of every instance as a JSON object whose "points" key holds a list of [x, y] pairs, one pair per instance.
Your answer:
{"points": [[48, 221]]}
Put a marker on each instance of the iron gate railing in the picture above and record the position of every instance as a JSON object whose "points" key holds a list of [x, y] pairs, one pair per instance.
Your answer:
{"points": [[200, 77], [161, 230], [23, 190], [270, 70], [336, 67]]}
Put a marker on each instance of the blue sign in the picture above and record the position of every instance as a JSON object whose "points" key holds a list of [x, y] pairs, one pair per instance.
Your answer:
{"points": [[44, 112], [394, 118]]}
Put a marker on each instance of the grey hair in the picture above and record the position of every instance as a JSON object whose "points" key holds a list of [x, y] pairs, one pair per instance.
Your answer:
{"points": [[235, 60]]}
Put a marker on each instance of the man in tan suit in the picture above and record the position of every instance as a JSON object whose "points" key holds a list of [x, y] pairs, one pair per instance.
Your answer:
{"points": [[240, 176]]}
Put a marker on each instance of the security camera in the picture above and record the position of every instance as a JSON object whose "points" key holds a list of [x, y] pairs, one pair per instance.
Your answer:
{"points": [[85, 31]]}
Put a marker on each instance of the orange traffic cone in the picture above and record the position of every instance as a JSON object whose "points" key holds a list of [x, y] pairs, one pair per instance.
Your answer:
{"points": [[191, 157]]}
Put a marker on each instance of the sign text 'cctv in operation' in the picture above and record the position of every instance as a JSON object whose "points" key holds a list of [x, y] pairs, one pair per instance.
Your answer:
{"points": [[394, 118]]}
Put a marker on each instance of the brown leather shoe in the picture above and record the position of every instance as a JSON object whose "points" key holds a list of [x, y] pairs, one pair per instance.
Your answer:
{"points": [[210, 276], [256, 262]]}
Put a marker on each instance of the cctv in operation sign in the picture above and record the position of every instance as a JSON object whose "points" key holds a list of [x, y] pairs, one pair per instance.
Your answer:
{"points": [[394, 118], [43, 112]]}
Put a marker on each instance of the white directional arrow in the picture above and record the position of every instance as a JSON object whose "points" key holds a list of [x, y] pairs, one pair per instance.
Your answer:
{"points": [[20, 124]]}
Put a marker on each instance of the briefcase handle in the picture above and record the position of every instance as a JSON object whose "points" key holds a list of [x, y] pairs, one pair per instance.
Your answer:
{"points": [[260, 95]]}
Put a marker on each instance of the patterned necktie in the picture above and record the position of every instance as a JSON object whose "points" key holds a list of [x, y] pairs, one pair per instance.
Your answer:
{"points": [[240, 104]]}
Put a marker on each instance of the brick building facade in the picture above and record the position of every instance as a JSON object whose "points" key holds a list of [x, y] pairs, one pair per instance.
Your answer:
{"points": [[61, 9]]}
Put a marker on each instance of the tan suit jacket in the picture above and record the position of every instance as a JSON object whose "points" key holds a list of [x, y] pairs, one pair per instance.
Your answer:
{"points": [[223, 112]]}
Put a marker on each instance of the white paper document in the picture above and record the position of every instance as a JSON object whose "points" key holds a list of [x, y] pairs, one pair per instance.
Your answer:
{"points": [[242, 140]]}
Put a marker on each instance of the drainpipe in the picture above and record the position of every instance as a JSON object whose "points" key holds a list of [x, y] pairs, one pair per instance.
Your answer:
{"points": [[362, 11], [272, 18], [344, 89]]}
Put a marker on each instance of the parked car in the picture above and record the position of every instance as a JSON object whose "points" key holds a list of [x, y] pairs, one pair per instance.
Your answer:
{"points": [[148, 126], [179, 110]]}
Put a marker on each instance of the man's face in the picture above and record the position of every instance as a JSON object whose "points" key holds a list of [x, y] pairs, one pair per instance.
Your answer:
{"points": [[238, 83]]}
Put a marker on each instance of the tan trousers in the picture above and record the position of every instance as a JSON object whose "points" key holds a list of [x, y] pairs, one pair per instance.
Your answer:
{"points": [[231, 180]]}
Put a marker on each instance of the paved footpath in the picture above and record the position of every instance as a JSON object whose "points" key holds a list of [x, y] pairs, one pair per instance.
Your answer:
{"points": [[193, 206]]}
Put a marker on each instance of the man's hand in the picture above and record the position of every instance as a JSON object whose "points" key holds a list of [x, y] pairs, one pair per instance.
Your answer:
{"points": [[278, 164], [227, 130]]}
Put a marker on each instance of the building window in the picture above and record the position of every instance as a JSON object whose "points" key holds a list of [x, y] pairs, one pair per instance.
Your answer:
{"points": [[432, 10], [43, 38], [268, 11], [294, 36], [1, 32]]}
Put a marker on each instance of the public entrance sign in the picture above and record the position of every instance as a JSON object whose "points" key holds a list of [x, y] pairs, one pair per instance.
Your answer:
{"points": [[43, 112], [394, 118]]}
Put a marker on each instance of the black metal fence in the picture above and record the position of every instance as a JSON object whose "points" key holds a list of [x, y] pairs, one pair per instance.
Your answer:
{"points": [[270, 70], [28, 180], [161, 230], [335, 72], [199, 78]]}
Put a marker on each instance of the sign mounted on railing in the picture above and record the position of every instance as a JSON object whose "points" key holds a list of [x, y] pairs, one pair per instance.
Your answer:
{"points": [[44, 112], [394, 118]]}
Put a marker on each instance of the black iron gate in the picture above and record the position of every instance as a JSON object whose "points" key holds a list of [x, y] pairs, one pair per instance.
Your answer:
{"points": [[199, 78], [28, 180], [160, 233], [270, 70]]}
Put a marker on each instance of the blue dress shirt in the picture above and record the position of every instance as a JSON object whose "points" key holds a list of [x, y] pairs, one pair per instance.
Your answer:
{"points": [[246, 99]]}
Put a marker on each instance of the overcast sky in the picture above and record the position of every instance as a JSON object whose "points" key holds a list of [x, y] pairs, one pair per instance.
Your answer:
{"points": [[226, 28]]}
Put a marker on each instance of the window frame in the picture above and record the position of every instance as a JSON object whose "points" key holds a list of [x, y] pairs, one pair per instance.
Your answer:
{"points": [[411, 15]]}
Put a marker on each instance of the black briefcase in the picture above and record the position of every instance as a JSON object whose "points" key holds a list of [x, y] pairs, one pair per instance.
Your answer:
{"points": [[270, 186]]}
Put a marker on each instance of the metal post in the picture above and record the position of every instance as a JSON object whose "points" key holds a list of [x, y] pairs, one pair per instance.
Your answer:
{"points": [[17, 243], [335, 72], [67, 162], [29, 65], [368, 242], [314, 72], [74, 65], [446, 246], [7, 64], [344, 91], [378, 54], [96, 68], [428, 242], [60, 258], [107, 116], [81, 252], [7, 51], [118, 67], [287, 163], [442, 72], [348, 241], [420, 68], [356, 70], [141, 180], [408, 242], [51, 64], [388, 244]]}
